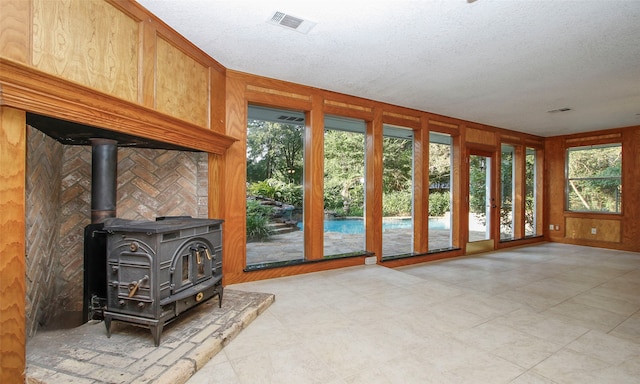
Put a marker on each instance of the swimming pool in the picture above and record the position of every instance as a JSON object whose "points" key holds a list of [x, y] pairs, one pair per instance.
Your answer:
{"points": [[356, 226]]}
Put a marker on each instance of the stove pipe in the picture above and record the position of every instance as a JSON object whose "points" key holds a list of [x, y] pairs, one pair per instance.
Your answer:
{"points": [[104, 163]]}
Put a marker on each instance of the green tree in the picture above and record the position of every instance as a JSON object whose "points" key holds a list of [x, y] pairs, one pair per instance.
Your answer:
{"points": [[594, 178], [344, 172], [397, 163], [274, 150]]}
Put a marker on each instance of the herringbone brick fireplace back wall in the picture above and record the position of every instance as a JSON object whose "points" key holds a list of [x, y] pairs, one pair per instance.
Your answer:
{"points": [[150, 183]]}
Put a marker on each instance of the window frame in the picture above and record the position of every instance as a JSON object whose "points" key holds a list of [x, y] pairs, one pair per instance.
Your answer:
{"points": [[567, 187]]}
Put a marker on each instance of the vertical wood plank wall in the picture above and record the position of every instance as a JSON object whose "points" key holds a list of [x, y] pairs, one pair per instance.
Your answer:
{"points": [[12, 247]]}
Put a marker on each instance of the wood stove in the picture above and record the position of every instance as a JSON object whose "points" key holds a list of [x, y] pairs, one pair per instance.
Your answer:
{"points": [[158, 269]]}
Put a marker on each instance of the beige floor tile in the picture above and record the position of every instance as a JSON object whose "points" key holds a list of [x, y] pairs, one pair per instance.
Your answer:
{"points": [[607, 348], [541, 326], [531, 378], [612, 304], [217, 371], [629, 329], [522, 316], [509, 344], [568, 366], [586, 315]]}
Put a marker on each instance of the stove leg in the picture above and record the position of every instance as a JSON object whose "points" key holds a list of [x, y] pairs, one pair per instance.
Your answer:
{"points": [[219, 290], [156, 331], [107, 323]]}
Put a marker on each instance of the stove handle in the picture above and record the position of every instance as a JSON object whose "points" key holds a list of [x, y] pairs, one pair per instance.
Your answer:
{"points": [[133, 286]]}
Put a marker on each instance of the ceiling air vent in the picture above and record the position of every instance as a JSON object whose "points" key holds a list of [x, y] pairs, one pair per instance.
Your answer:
{"points": [[290, 118], [291, 22]]}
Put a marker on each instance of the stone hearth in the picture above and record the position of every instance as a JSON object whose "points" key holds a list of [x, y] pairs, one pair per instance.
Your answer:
{"points": [[85, 354]]}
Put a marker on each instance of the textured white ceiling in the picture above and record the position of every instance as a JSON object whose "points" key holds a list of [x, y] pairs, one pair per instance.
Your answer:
{"points": [[503, 63]]}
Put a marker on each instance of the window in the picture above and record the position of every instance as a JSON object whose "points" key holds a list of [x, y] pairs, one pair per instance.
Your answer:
{"points": [[594, 179], [507, 192], [397, 191], [275, 154], [344, 186], [440, 184], [530, 198]]}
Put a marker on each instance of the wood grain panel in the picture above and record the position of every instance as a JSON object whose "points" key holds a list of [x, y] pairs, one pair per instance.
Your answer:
{"points": [[401, 116], [346, 105], [314, 181], [553, 193], [15, 19], [12, 244], [591, 139], [323, 265], [277, 92], [631, 171], [182, 85], [235, 232], [401, 119], [480, 136], [422, 258], [25, 88], [510, 139], [443, 124], [421, 189], [373, 185], [580, 228], [147, 66], [89, 42]]}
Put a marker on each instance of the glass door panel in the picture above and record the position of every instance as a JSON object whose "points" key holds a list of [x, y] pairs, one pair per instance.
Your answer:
{"points": [[275, 158], [344, 186], [397, 191], [481, 202], [507, 192]]}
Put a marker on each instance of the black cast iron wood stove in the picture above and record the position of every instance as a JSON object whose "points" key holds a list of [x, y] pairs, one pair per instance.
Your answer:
{"points": [[144, 272], [159, 269]]}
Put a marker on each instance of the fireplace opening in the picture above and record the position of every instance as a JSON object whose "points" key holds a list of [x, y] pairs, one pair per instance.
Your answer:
{"points": [[154, 179]]}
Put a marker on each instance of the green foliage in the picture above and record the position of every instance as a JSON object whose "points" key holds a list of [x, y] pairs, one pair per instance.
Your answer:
{"points": [[439, 203], [262, 188], [439, 165], [257, 221], [284, 192], [477, 185], [397, 163], [594, 178], [344, 172], [397, 203], [274, 150]]}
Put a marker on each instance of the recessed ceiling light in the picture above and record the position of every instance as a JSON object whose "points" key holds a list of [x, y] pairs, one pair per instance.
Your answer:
{"points": [[291, 22], [559, 110]]}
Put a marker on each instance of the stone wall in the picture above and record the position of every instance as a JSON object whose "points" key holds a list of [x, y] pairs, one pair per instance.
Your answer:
{"points": [[151, 183], [44, 166]]}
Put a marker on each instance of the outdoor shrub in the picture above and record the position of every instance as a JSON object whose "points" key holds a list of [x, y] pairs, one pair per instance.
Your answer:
{"points": [[439, 203], [258, 221], [263, 189], [396, 203]]}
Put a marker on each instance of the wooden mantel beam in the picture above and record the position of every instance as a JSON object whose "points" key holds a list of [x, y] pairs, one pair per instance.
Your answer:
{"points": [[28, 89]]}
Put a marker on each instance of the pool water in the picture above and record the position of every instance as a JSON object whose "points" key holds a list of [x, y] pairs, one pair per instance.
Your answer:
{"points": [[356, 226]]}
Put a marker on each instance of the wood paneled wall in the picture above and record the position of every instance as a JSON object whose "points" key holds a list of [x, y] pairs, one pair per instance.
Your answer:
{"points": [[615, 231], [13, 144]]}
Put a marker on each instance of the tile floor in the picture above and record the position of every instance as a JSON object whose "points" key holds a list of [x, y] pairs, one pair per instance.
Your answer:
{"points": [[549, 313]]}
